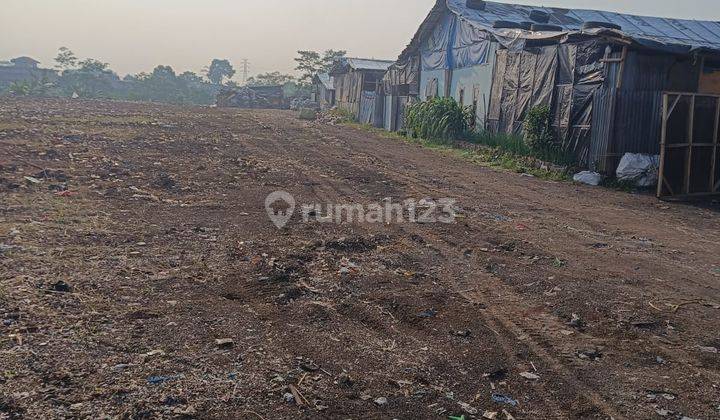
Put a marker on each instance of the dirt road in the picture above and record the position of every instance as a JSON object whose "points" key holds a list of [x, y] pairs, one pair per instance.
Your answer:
{"points": [[132, 237]]}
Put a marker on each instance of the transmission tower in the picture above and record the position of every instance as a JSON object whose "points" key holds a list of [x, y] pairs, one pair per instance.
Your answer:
{"points": [[245, 67]]}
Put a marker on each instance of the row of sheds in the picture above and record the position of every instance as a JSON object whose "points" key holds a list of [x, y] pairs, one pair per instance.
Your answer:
{"points": [[602, 74]]}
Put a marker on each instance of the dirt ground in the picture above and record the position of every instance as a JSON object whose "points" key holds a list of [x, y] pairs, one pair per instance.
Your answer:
{"points": [[141, 237]]}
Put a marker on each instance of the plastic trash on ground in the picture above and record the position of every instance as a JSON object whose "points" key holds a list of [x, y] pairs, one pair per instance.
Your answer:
{"points": [[589, 178], [639, 168]]}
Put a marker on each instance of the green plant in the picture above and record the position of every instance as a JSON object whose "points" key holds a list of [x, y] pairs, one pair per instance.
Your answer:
{"points": [[539, 136], [343, 115], [438, 119], [20, 88]]}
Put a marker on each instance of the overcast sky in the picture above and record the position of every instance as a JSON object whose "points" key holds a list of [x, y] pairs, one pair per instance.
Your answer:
{"points": [[136, 35]]}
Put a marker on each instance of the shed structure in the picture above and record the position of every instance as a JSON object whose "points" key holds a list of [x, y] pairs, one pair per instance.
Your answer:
{"points": [[603, 74], [324, 91], [356, 82]]}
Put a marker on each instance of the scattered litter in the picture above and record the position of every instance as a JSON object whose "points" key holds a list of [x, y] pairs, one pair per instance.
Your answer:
{"points": [[32, 180], [490, 415], [345, 380], [708, 349], [154, 353], [66, 193], [531, 376], [461, 333], [504, 399], [430, 313], [157, 380], [61, 287], [589, 178], [508, 416], [497, 375], [652, 395], [309, 367], [381, 401], [576, 321], [225, 343], [299, 399], [589, 354], [468, 408], [288, 397], [660, 360]]}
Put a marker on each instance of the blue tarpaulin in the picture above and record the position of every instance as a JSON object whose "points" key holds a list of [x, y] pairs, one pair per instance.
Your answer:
{"points": [[676, 35]]}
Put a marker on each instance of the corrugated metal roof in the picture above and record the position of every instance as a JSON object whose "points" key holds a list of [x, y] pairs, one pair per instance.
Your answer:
{"points": [[368, 64], [326, 80], [692, 33]]}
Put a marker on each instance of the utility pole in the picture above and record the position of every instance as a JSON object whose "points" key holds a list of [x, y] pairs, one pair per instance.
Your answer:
{"points": [[245, 64]]}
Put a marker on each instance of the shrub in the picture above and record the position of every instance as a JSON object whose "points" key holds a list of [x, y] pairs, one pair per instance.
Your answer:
{"points": [[539, 136], [438, 119]]}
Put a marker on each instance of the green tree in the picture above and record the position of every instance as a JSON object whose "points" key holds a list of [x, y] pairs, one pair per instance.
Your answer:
{"points": [[164, 72], [270, 79], [190, 77], [329, 58], [65, 59], [310, 63], [93, 65], [220, 70]]}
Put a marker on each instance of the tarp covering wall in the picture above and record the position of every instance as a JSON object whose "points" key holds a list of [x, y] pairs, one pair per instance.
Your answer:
{"points": [[522, 80], [454, 43], [405, 73], [562, 77]]}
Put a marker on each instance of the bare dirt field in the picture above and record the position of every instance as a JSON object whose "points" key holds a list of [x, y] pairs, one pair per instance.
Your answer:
{"points": [[132, 237]]}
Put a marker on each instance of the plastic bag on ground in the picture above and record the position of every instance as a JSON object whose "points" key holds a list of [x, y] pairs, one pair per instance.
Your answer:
{"points": [[589, 178], [639, 168]]}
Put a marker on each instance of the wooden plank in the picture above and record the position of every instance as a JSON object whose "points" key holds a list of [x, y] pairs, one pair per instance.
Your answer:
{"points": [[672, 108], [691, 129], [663, 136], [667, 184], [716, 133], [682, 145], [621, 71], [691, 94]]}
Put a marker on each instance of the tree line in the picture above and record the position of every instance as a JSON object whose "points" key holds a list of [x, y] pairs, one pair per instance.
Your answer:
{"points": [[92, 78]]}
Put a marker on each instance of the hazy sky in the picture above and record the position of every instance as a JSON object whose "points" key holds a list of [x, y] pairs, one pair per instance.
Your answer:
{"points": [[136, 35]]}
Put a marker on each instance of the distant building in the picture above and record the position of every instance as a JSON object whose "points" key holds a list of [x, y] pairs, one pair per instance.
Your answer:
{"points": [[263, 97], [356, 81], [22, 69], [324, 90]]}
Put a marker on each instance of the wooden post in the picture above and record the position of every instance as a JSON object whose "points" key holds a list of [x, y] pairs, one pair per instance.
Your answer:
{"points": [[621, 71], [716, 134], [663, 135], [691, 129]]}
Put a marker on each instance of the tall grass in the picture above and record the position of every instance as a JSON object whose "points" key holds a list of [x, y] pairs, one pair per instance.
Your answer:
{"points": [[438, 119], [516, 144]]}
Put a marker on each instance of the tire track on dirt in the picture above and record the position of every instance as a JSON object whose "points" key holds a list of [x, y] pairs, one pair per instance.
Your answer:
{"points": [[510, 322], [508, 327]]}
